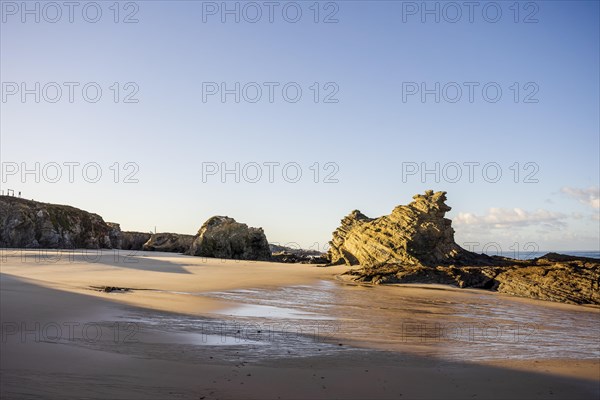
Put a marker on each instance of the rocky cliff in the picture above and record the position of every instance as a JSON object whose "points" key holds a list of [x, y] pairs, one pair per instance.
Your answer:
{"points": [[31, 224], [416, 234], [223, 237]]}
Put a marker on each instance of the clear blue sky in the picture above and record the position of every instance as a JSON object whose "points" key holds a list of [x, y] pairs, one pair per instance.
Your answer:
{"points": [[369, 133]]}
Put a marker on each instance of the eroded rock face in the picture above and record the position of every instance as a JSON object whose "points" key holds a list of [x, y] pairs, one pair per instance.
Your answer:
{"points": [[170, 242], [115, 234], [553, 277], [223, 237], [134, 240], [415, 234], [415, 244], [31, 224]]}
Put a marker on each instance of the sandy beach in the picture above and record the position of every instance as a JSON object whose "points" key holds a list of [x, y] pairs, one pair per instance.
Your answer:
{"points": [[299, 200], [202, 328]]}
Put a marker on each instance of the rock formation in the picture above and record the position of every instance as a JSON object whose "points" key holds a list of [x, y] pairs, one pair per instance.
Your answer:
{"points": [[134, 240], [223, 237], [31, 224], [292, 255], [565, 279], [416, 234], [415, 244], [170, 242], [554, 277]]}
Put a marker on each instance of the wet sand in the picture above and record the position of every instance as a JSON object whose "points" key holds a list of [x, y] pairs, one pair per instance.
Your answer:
{"points": [[223, 329]]}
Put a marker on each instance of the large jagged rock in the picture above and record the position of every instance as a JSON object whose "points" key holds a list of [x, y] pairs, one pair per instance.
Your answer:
{"points": [[30, 224], [170, 242], [415, 244], [416, 234], [223, 237]]}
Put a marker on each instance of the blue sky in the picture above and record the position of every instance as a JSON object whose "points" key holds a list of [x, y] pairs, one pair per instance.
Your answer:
{"points": [[367, 137]]}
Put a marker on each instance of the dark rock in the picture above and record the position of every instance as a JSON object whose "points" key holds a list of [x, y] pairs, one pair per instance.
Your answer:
{"points": [[285, 254], [134, 240], [298, 258], [577, 282], [111, 289]]}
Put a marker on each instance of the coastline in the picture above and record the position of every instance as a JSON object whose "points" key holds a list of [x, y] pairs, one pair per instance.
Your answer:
{"points": [[169, 361]]}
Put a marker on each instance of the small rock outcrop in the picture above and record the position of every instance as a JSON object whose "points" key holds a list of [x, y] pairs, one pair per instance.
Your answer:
{"points": [[31, 224], [169, 242], [134, 240], [415, 234], [223, 237], [293, 255]]}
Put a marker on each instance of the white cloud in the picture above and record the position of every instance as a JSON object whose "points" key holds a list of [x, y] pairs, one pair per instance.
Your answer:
{"points": [[502, 218], [589, 196]]}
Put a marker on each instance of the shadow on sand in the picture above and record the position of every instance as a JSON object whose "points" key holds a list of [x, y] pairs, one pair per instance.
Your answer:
{"points": [[129, 259]]}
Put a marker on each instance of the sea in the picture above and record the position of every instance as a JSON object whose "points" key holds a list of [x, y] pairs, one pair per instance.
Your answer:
{"points": [[525, 255]]}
